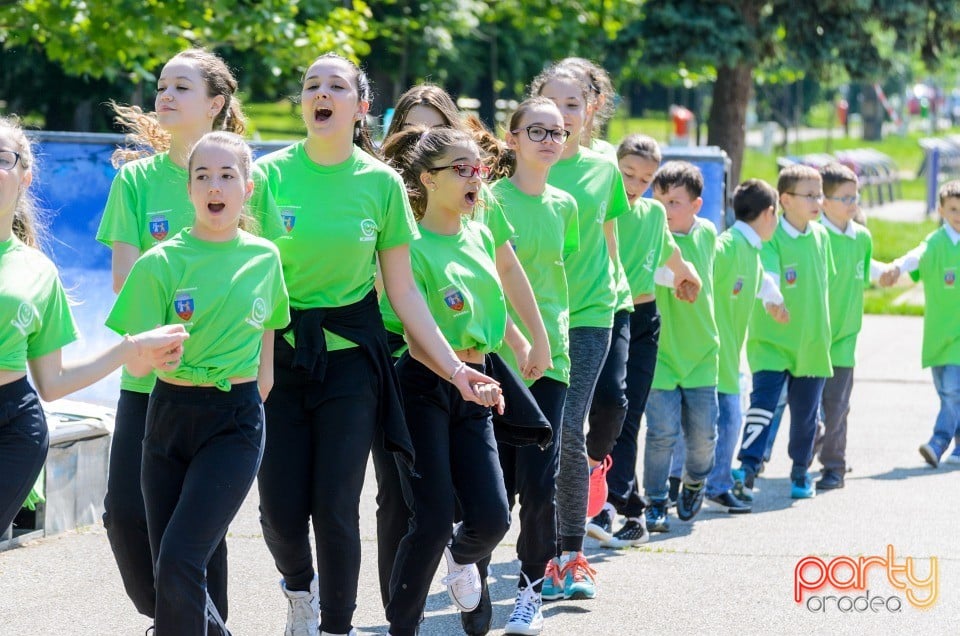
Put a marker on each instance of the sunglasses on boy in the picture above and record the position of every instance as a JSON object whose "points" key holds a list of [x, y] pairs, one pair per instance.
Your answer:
{"points": [[539, 133], [465, 170]]}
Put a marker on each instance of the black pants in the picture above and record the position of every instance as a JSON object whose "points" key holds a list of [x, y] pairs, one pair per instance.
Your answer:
{"points": [[393, 513], [126, 521], [531, 474], [201, 451], [622, 483], [609, 405], [456, 459], [23, 446], [318, 442]]}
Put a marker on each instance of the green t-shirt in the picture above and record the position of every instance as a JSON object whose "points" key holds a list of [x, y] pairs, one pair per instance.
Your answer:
{"points": [[490, 211], [224, 294], [457, 275], [852, 252], [604, 147], [596, 185], [689, 342], [337, 218], [802, 263], [545, 234], [624, 297], [148, 202], [645, 243], [938, 269], [737, 275], [36, 318]]}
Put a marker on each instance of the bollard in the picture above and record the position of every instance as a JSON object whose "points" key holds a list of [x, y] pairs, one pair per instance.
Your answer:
{"points": [[933, 180]]}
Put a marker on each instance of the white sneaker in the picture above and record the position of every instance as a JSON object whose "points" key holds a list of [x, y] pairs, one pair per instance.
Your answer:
{"points": [[463, 583], [526, 618], [303, 610]]}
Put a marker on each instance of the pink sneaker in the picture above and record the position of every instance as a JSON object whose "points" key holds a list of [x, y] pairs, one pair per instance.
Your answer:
{"points": [[598, 487]]}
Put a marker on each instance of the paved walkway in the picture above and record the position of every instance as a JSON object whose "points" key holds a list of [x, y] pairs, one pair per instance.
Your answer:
{"points": [[720, 574]]}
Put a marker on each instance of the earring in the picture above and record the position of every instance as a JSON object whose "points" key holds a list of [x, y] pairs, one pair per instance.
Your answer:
{"points": [[433, 188]]}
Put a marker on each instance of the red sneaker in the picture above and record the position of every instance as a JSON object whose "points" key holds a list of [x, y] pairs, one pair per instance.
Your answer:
{"points": [[598, 487]]}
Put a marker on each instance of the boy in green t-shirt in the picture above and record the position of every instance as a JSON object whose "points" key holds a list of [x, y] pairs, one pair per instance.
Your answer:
{"points": [[936, 261], [683, 396], [795, 355], [739, 279], [852, 247]]}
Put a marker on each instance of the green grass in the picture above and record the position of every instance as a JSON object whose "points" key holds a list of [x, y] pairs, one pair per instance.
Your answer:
{"points": [[878, 300], [892, 240], [276, 120]]}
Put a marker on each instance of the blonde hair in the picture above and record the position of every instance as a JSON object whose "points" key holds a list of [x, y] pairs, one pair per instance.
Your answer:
{"points": [[146, 136], [235, 144], [29, 224]]}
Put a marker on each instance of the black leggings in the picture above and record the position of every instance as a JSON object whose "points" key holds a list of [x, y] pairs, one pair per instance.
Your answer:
{"points": [[23, 446], [126, 521], [318, 440]]}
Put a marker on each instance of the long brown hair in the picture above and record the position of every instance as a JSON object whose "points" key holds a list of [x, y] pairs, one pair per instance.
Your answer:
{"points": [[146, 136]]}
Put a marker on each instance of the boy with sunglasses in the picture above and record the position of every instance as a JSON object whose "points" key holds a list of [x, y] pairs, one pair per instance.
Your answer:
{"points": [[797, 354]]}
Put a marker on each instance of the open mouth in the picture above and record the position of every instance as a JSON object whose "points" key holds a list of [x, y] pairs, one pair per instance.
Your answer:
{"points": [[471, 197], [322, 114], [215, 207]]}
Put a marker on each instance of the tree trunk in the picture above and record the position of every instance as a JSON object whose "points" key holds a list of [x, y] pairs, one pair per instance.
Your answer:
{"points": [[727, 121]]}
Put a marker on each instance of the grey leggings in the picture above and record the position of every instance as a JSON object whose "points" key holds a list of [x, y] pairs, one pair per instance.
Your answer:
{"points": [[588, 350]]}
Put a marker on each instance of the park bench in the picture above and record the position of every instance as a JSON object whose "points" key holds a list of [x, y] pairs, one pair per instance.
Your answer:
{"points": [[878, 174]]}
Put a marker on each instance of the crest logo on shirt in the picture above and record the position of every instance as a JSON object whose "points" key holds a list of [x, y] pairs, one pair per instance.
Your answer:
{"points": [[790, 275], [368, 230], [258, 313], [24, 317], [183, 305], [289, 220], [738, 286], [950, 277], [159, 227], [454, 299]]}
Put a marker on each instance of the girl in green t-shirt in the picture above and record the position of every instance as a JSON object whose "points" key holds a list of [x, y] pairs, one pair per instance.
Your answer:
{"points": [[36, 324], [335, 393], [147, 204], [204, 432], [456, 452]]}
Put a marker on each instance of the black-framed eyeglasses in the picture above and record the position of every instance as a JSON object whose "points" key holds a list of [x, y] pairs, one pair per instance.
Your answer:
{"points": [[465, 170], [850, 199], [817, 197], [8, 159], [539, 133]]}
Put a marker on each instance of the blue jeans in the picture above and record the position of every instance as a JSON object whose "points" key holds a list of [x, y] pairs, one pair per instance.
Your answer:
{"points": [[946, 380], [803, 397], [693, 411], [728, 435]]}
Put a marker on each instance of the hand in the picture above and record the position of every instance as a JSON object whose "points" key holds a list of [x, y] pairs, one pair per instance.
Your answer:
{"points": [[778, 312], [465, 380], [890, 276], [521, 351], [162, 347], [538, 361], [687, 291], [489, 395], [687, 282]]}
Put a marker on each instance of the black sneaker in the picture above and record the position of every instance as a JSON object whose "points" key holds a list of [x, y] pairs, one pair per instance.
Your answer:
{"points": [[632, 533], [690, 501], [830, 480], [673, 492], [656, 516], [477, 622], [743, 479], [601, 526], [726, 501]]}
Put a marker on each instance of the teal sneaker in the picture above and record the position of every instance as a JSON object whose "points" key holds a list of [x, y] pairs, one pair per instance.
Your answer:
{"points": [[742, 484], [802, 487], [579, 579], [552, 589]]}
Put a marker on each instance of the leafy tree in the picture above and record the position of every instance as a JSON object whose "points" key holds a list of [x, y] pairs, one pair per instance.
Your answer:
{"points": [[736, 39]]}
